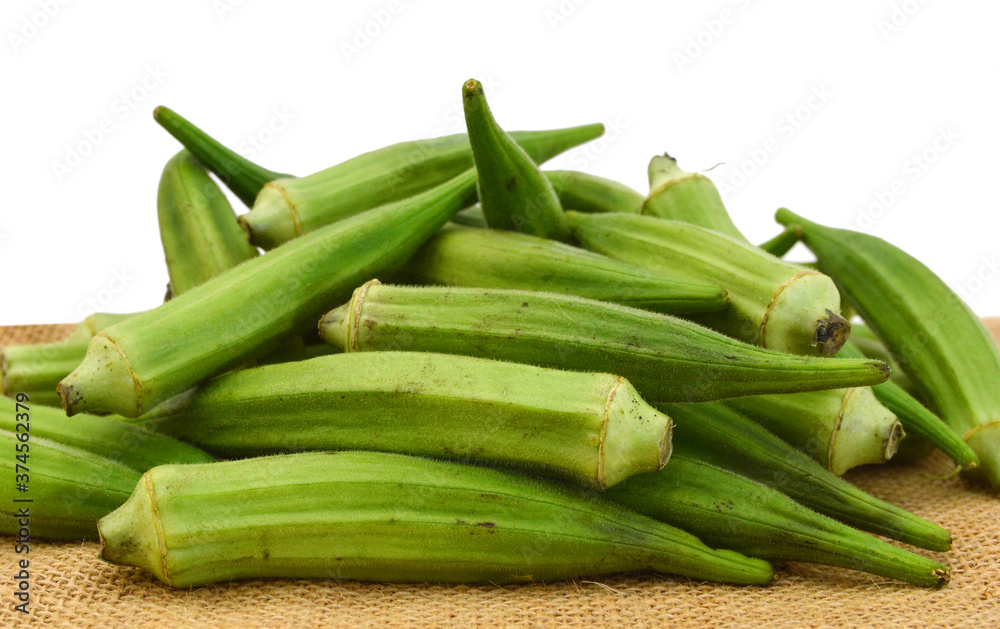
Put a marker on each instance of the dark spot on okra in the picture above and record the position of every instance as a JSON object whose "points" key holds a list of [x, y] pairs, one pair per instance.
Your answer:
{"points": [[487, 525], [266, 554], [511, 183], [524, 305], [460, 521]]}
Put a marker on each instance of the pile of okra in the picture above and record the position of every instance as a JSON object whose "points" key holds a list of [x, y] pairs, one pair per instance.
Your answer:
{"points": [[440, 362]]}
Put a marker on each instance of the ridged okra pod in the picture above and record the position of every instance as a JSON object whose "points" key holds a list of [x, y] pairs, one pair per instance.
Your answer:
{"points": [[251, 310], [513, 192], [840, 428], [37, 368], [726, 510], [76, 470], [373, 516], [110, 437], [70, 489], [238, 173], [198, 228], [488, 258], [917, 419], [941, 343], [584, 192], [665, 358], [678, 195], [589, 428], [288, 208], [775, 304], [725, 438]]}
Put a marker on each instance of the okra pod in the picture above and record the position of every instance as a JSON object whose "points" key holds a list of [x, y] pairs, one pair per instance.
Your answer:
{"points": [[775, 304], [373, 516], [486, 258], [726, 510], [238, 173], [840, 428], [665, 358], [584, 192], [198, 228], [110, 437], [70, 489], [592, 429], [918, 420], [513, 192], [725, 438], [247, 312], [37, 368], [288, 208], [943, 346], [783, 243], [678, 195]]}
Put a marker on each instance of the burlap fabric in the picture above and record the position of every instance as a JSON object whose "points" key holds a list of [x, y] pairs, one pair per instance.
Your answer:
{"points": [[71, 587]]}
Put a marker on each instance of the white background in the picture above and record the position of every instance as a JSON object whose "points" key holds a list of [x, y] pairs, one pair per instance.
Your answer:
{"points": [[710, 82]]}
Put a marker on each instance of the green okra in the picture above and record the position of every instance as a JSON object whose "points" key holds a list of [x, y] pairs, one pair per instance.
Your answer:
{"points": [[775, 304], [374, 516], [665, 358], [110, 437], [726, 510], [70, 489], [584, 192], [943, 346], [198, 228], [917, 419], [865, 340], [247, 312], [487, 258], [588, 428], [840, 428], [37, 368], [726, 439], [238, 173], [678, 195], [783, 243], [288, 208], [513, 192]]}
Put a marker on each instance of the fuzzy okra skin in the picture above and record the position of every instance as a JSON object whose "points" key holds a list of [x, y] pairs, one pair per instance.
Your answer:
{"points": [[69, 488], [840, 428], [917, 419], [726, 510], [373, 516], [109, 437], [723, 437], [487, 258], [288, 208], [665, 358], [589, 428], [943, 346], [249, 311], [678, 195], [239, 174], [775, 304], [513, 192], [37, 368], [198, 228]]}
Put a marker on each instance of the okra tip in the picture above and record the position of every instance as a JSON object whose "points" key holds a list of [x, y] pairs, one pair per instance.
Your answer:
{"points": [[103, 381], [129, 535], [832, 331]]}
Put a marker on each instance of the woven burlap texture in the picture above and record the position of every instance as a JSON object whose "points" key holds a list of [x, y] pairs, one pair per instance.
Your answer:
{"points": [[71, 587]]}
